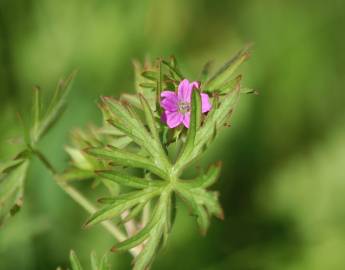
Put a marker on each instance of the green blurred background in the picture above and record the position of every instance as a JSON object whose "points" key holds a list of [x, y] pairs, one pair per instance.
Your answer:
{"points": [[283, 181]]}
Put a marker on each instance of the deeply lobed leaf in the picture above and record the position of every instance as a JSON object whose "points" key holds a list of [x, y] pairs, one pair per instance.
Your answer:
{"points": [[136, 118], [122, 203], [13, 172]]}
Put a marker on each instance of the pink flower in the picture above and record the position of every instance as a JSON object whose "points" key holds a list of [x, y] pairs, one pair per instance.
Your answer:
{"points": [[177, 106]]}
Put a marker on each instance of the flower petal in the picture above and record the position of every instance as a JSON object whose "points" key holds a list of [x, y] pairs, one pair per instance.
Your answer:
{"points": [[205, 103], [173, 119], [168, 93], [195, 85], [186, 119], [184, 91], [169, 105], [170, 101]]}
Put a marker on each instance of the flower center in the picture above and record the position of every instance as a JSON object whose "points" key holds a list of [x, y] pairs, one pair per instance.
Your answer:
{"points": [[184, 107]]}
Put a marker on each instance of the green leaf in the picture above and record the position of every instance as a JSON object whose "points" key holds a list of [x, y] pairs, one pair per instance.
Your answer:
{"points": [[13, 173], [75, 263], [149, 118], [221, 115], [131, 99], [197, 209], [204, 180], [150, 96], [210, 200], [94, 261], [151, 75], [128, 196], [206, 71], [12, 190], [125, 119], [170, 216], [173, 61], [249, 91], [128, 180], [146, 256], [113, 187], [96, 264], [225, 72], [80, 160], [121, 142], [122, 203], [104, 264], [135, 211], [175, 70], [26, 131], [133, 137], [156, 220], [229, 85], [55, 109], [125, 158], [148, 85], [7, 167], [73, 174]]}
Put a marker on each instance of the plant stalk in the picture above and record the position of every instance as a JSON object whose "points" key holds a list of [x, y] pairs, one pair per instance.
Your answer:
{"points": [[82, 200]]}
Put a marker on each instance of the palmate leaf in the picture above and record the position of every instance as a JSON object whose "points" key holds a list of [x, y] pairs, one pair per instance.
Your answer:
{"points": [[163, 188], [13, 172], [159, 181]]}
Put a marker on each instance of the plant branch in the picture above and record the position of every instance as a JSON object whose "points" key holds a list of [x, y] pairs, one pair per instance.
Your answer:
{"points": [[45, 161], [81, 200]]}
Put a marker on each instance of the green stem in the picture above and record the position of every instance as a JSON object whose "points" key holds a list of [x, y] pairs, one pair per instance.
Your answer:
{"points": [[81, 199], [45, 161]]}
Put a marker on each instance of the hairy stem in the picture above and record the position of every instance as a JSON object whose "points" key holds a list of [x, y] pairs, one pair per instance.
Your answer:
{"points": [[82, 200]]}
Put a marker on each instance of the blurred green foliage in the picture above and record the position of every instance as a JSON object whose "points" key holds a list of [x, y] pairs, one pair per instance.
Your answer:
{"points": [[282, 184]]}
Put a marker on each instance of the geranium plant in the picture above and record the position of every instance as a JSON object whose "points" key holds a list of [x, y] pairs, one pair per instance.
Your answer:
{"points": [[140, 153]]}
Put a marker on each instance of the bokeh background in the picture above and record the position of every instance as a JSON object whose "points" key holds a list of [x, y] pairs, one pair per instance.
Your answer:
{"points": [[283, 181]]}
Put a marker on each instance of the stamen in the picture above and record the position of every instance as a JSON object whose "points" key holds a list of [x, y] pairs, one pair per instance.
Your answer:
{"points": [[184, 107]]}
